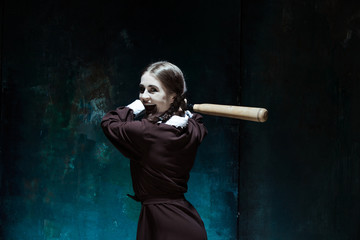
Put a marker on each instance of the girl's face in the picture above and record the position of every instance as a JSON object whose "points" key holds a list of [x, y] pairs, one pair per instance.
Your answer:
{"points": [[153, 94]]}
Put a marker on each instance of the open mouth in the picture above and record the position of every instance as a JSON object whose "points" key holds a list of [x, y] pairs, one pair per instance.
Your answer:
{"points": [[150, 108]]}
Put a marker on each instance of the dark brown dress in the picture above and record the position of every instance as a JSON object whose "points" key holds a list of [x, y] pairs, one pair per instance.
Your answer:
{"points": [[161, 159]]}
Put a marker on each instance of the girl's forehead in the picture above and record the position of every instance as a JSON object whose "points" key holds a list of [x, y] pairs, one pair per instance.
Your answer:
{"points": [[148, 79]]}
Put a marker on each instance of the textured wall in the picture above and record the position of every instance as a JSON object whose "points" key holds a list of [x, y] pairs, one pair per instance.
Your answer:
{"points": [[64, 65], [300, 171]]}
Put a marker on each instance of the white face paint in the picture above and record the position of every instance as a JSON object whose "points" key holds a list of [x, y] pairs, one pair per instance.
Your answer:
{"points": [[152, 92]]}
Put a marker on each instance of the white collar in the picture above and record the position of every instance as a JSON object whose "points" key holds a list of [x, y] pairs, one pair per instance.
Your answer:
{"points": [[178, 121]]}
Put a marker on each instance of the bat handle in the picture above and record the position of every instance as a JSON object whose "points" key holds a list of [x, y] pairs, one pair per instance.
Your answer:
{"points": [[238, 112], [190, 107]]}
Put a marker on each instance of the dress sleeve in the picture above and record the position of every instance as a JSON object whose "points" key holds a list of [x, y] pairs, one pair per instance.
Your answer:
{"points": [[123, 132], [197, 126]]}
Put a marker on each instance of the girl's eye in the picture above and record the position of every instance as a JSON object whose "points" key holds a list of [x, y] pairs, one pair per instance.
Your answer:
{"points": [[153, 90], [141, 89]]}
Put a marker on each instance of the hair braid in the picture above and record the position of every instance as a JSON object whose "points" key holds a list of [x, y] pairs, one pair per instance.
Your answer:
{"points": [[177, 106]]}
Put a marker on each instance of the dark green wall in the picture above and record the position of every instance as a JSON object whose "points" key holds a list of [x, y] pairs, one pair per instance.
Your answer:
{"points": [[300, 171], [64, 64]]}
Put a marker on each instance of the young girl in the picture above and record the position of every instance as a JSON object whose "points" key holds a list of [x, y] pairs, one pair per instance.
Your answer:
{"points": [[162, 148]]}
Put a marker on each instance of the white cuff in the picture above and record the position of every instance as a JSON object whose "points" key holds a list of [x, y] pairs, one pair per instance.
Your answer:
{"points": [[178, 121], [136, 106], [188, 113]]}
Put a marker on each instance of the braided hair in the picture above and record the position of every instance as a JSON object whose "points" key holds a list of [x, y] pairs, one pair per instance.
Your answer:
{"points": [[173, 80]]}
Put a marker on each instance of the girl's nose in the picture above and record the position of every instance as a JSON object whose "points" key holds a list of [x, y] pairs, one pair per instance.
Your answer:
{"points": [[145, 96]]}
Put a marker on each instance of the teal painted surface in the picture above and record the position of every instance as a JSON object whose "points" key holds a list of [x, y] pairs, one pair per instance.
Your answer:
{"points": [[64, 66]]}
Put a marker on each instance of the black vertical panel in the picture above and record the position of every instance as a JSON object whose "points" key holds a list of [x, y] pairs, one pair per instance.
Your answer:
{"points": [[300, 170]]}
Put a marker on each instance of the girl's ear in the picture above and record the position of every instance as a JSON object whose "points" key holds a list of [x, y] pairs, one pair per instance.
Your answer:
{"points": [[172, 97]]}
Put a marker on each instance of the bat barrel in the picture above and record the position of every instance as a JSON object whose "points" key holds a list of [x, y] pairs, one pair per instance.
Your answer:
{"points": [[238, 112]]}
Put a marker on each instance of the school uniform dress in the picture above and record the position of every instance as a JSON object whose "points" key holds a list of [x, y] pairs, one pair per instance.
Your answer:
{"points": [[162, 155]]}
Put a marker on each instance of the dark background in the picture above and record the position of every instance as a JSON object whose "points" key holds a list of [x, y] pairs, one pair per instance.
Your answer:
{"points": [[64, 64], [300, 171]]}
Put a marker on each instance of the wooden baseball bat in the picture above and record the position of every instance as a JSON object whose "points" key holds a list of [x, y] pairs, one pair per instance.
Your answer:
{"points": [[238, 112]]}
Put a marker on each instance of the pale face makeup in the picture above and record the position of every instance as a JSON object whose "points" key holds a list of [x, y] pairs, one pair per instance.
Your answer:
{"points": [[152, 92]]}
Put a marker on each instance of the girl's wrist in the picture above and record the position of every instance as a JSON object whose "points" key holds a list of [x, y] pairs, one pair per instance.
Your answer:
{"points": [[136, 106]]}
